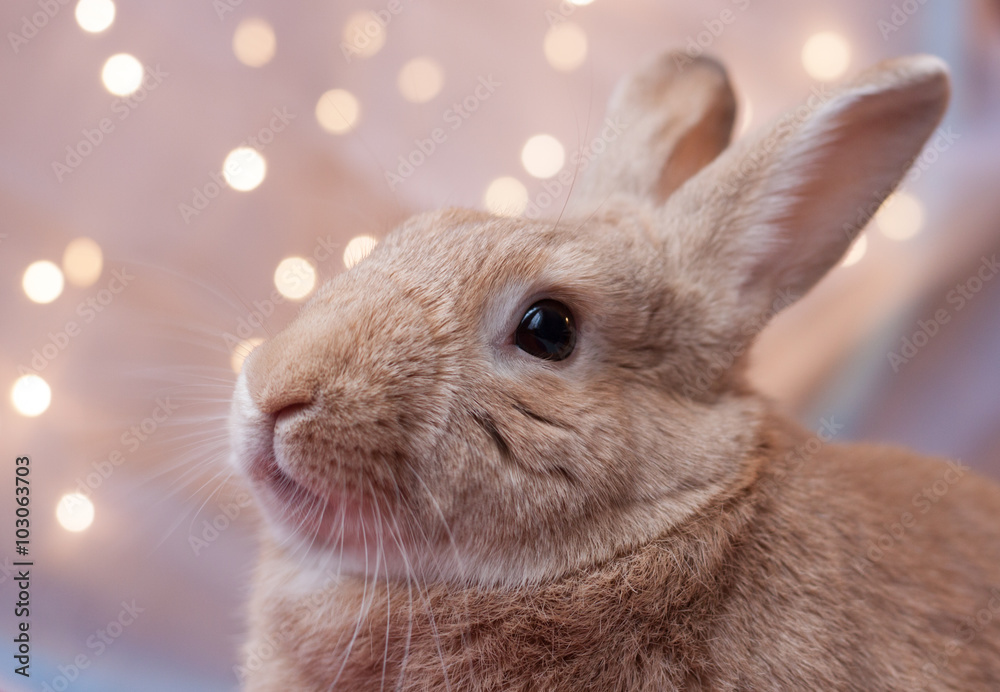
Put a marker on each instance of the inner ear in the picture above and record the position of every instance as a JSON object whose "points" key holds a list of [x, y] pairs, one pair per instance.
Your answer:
{"points": [[671, 118], [698, 145]]}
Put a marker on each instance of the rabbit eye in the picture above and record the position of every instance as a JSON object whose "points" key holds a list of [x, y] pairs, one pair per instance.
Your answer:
{"points": [[547, 331]]}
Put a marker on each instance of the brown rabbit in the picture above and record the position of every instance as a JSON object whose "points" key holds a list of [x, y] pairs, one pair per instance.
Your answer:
{"points": [[501, 454]]}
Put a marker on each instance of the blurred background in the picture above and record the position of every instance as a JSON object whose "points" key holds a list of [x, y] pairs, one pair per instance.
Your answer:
{"points": [[175, 178]]}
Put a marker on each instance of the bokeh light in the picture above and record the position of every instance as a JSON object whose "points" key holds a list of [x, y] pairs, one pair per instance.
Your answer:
{"points": [[358, 249], [857, 251], [95, 16], [31, 395], [543, 156], [826, 55], [75, 512], [420, 80], [254, 42], [506, 196], [42, 281], [242, 352], [295, 278], [82, 262], [122, 74], [337, 111], [244, 169], [565, 46], [363, 35], [900, 217]]}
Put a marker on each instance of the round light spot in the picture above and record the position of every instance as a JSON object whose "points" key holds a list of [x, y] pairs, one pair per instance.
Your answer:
{"points": [[254, 42], [42, 281], [900, 217], [826, 55], [506, 196], [420, 80], [543, 156], [82, 262], [95, 15], [242, 351], [358, 249], [364, 35], [565, 46], [75, 512], [244, 169], [122, 74], [31, 395], [857, 251], [295, 278], [337, 111], [580, 3]]}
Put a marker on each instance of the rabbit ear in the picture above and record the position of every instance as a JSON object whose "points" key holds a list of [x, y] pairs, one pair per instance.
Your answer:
{"points": [[669, 119], [774, 214]]}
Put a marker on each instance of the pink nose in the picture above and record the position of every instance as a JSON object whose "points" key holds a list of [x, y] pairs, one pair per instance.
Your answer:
{"points": [[279, 377]]}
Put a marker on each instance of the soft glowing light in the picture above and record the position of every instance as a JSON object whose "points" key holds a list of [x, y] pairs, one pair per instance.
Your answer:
{"points": [[420, 80], [358, 249], [95, 15], [122, 74], [295, 278], [31, 395], [826, 55], [543, 156], [580, 3], [337, 111], [42, 281], [745, 118], [242, 352], [82, 262], [506, 196], [856, 252], [900, 217], [364, 34], [565, 46], [254, 42], [244, 169], [75, 512]]}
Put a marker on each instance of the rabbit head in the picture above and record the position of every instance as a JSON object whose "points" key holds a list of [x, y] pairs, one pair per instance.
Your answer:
{"points": [[499, 400]]}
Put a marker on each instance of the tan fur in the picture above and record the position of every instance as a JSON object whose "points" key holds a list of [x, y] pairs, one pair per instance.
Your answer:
{"points": [[447, 512]]}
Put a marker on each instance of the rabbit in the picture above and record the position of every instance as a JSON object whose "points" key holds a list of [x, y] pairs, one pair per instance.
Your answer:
{"points": [[512, 454]]}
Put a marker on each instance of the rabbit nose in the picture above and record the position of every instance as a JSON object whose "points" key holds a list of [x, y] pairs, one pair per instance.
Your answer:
{"points": [[276, 379]]}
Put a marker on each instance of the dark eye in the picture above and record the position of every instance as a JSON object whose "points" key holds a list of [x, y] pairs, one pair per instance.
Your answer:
{"points": [[547, 331]]}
